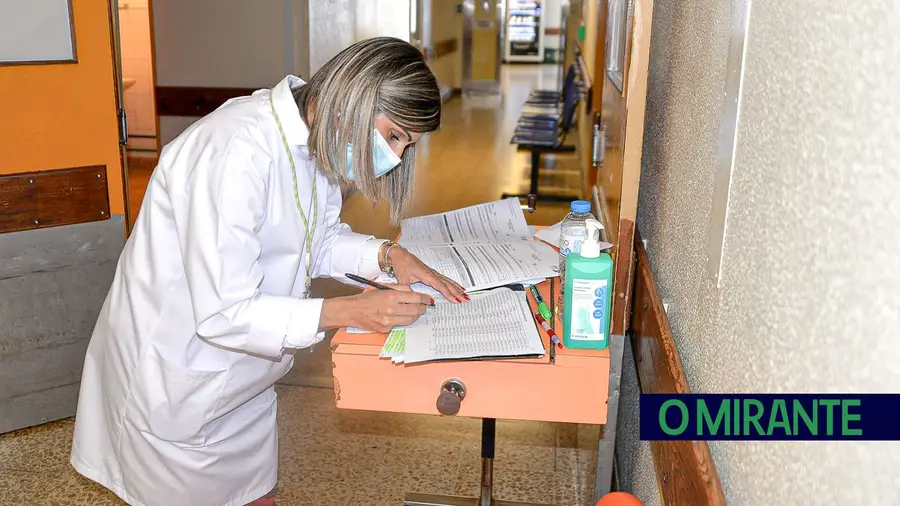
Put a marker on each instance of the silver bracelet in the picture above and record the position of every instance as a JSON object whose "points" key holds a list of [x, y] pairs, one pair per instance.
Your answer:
{"points": [[388, 267]]}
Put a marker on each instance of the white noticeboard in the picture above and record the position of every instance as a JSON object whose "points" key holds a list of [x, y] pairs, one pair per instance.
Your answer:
{"points": [[36, 32]]}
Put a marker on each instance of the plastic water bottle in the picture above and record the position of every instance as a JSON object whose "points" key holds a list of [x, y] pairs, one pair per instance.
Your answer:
{"points": [[572, 232]]}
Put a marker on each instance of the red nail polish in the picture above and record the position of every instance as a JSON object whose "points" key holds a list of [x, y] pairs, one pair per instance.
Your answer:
{"points": [[431, 301], [467, 297]]}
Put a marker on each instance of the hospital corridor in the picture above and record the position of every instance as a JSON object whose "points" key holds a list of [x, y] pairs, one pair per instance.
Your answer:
{"points": [[651, 247]]}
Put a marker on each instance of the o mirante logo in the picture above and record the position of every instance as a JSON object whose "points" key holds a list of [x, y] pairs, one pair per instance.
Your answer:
{"points": [[769, 416]]}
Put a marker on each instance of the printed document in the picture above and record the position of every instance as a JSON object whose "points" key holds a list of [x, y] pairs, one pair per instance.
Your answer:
{"points": [[480, 266], [480, 247], [431, 292], [493, 324], [499, 221]]}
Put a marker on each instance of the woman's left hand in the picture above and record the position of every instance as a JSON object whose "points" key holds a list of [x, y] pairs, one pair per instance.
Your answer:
{"points": [[408, 269]]}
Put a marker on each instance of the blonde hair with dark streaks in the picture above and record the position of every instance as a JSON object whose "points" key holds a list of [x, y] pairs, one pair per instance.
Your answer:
{"points": [[382, 75]]}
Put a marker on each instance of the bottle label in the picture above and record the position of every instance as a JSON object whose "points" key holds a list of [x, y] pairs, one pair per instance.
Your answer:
{"points": [[569, 243], [589, 310]]}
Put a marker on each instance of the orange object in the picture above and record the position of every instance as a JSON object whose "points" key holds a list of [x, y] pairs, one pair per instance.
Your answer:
{"points": [[619, 499], [59, 116], [264, 501], [572, 389]]}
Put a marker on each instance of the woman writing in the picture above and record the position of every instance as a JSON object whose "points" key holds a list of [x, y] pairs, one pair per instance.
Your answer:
{"points": [[212, 291]]}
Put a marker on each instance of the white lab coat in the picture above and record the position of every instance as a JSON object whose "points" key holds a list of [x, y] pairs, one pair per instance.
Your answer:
{"points": [[177, 403]]}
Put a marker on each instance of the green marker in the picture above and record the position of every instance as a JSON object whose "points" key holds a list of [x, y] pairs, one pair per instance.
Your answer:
{"points": [[542, 306]]}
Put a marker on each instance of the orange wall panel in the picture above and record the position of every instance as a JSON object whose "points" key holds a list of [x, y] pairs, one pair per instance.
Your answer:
{"points": [[59, 116]]}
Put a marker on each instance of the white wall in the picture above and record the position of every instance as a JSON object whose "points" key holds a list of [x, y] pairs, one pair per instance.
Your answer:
{"points": [[383, 18], [807, 299], [225, 43], [332, 27], [552, 12], [219, 43], [235, 43]]}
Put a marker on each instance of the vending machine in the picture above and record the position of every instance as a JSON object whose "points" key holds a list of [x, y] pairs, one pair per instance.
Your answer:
{"points": [[524, 31]]}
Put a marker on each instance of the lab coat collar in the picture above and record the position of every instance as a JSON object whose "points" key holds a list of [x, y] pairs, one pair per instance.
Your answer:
{"points": [[295, 130]]}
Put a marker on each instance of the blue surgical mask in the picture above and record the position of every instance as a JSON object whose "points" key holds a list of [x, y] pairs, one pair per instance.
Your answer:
{"points": [[385, 160]]}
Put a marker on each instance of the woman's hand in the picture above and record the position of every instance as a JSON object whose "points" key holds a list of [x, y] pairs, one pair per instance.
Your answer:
{"points": [[409, 269], [375, 310]]}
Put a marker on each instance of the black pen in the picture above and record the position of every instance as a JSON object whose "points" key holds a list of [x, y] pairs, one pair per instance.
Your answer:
{"points": [[373, 284]]}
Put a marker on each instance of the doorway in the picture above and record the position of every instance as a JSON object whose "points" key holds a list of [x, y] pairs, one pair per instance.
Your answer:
{"points": [[134, 32], [481, 45]]}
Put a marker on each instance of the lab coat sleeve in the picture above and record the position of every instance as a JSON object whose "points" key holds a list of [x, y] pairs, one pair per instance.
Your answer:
{"points": [[343, 250], [220, 245]]}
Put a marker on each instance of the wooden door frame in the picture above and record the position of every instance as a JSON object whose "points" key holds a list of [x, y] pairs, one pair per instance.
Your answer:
{"points": [[596, 94], [118, 84], [635, 81], [632, 103], [153, 77], [625, 111], [599, 60]]}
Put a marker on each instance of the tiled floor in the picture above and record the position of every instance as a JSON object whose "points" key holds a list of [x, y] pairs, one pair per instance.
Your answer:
{"points": [[343, 458]]}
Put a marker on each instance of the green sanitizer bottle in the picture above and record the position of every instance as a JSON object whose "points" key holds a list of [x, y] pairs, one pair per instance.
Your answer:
{"points": [[588, 292]]}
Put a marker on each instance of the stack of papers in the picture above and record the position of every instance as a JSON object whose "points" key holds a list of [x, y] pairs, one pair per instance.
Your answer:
{"points": [[485, 248], [495, 324], [394, 346], [480, 247]]}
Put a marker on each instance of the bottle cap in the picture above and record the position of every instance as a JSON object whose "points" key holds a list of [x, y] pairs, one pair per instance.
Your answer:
{"points": [[590, 247], [581, 206]]}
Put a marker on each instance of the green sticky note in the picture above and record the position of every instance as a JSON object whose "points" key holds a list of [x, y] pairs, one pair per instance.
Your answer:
{"points": [[395, 343]]}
